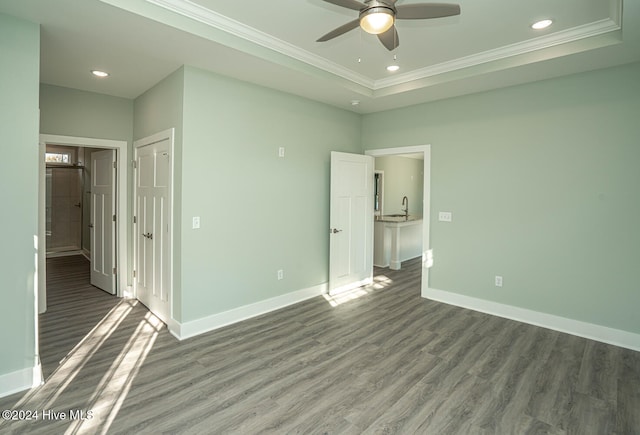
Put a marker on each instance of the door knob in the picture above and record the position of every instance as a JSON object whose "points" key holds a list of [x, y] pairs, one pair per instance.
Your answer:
{"points": [[334, 230], [78, 205]]}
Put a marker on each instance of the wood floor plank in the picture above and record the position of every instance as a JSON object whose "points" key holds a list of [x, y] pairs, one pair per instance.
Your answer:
{"points": [[553, 398], [425, 398], [380, 360], [591, 416], [599, 372], [628, 407], [513, 385]]}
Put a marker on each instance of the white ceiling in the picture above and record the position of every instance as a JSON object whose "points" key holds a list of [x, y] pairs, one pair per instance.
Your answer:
{"points": [[272, 43]]}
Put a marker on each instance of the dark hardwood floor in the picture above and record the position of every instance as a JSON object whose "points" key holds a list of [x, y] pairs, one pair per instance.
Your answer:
{"points": [[382, 360]]}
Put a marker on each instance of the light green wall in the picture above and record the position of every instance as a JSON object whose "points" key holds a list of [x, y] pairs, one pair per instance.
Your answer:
{"points": [[403, 176], [158, 109], [259, 213], [542, 180], [19, 76], [71, 112]]}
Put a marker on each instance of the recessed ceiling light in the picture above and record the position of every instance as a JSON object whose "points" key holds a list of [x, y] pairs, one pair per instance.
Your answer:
{"points": [[542, 24], [355, 102], [99, 73], [393, 68]]}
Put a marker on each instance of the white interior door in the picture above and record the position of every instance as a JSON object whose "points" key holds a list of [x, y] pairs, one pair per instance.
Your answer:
{"points": [[152, 227], [351, 221], [103, 224]]}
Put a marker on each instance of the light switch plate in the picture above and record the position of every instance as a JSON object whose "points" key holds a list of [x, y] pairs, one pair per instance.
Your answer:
{"points": [[444, 216], [196, 222]]}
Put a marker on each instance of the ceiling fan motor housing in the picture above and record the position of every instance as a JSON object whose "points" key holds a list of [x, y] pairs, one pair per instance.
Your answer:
{"points": [[375, 6], [384, 3], [376, 10]]}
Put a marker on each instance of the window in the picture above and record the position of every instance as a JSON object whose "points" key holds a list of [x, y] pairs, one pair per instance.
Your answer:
{"points": [[64, 158]]}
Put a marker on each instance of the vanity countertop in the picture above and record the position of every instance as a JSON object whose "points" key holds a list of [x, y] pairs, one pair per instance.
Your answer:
{"points": [[398, 219]]}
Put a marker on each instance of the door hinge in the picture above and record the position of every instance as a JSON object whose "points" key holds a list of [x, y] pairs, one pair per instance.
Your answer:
{"points": [[135, 165], [134, 273], [115, 165], [114, 217], [114, 270], [135, 220]]}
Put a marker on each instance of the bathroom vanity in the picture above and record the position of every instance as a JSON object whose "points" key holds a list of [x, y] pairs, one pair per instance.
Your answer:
{"points": [[397, 238]]}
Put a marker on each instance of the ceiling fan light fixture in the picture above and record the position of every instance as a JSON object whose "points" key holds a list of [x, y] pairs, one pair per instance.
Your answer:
{"points": [[376, 20]]}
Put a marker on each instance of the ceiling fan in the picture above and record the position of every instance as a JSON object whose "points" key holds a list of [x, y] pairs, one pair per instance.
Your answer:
{"points": [[378, 17]]}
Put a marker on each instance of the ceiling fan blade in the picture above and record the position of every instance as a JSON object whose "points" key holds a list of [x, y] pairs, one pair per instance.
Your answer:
{"points": [[420, 11], [349, 4], [390, 38], [339, 31]]}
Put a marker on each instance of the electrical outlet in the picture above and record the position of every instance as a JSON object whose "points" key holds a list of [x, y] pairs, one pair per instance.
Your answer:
{"points": [[195, 223], [281, 152], [498, 281], [444, 216], [280, 274]]}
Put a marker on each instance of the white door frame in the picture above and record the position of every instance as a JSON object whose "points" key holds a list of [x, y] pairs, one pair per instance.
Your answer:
{"points": [[427, 258], [169, 134], [122, 154]]}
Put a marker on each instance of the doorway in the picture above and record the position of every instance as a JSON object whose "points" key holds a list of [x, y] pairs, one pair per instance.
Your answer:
{"points": [[396, 204], [398, 215], [68, 200], [120, 236]]}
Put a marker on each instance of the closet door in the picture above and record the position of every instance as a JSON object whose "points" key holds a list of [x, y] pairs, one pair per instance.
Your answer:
{"points": [[152, 227]]}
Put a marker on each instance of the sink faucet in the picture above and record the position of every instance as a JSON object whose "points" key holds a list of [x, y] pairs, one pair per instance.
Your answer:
{"points": [[405, 204]]}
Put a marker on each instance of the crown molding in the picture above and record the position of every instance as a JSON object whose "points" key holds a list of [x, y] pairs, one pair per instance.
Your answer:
{"points": [[191, 10], [558, 38], [206, 16]]}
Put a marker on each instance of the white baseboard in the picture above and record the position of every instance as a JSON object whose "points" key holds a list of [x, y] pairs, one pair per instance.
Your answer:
{"points": [[20, 380], [69, 253], [591, 331], [195, 327]]}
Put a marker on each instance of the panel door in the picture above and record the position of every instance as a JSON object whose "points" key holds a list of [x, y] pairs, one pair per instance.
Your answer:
{"points": [[351, 221], [152, 228], [103, 225]]}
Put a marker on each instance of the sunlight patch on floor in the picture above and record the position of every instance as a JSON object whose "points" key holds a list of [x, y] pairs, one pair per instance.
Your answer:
{"points": [[379, 282], [76, 359], [114, 386]]}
